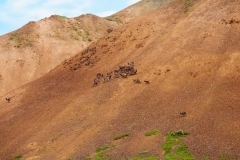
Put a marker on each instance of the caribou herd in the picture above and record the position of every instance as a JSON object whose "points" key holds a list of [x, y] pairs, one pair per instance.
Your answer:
{"points": [[121, 72]]}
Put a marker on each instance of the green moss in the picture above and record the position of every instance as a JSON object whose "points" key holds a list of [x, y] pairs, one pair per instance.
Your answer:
{"points": [[104, 148], [152, 133], [113, 18], [87, 33], [174, 139], [17, 158], [143, 152], [63, 17], [102, 156], [13, 36], [121, 136], [141, 158]]}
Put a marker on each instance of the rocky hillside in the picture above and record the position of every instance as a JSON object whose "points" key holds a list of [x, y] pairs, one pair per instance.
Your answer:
{"points": [[178, 100], [38, 47]]}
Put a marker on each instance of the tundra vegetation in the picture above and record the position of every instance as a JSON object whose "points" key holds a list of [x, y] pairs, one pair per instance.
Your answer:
{"points": [[113, 18], [174, 148]]}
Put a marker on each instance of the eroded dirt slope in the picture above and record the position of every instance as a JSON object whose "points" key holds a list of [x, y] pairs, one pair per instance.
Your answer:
{"points": [[38, 47], [192, 62]]}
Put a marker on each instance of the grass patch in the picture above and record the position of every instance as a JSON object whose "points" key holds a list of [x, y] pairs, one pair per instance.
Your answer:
{"points": [[63, 17], [58, 136], [13, 36], [113, 18], [102, 156], [143, 152], [152, 133], [187, 4], [172, 140], [104, 148], [87, 33], [121, 136], [205, 159], [142, 158], [17, 158]]}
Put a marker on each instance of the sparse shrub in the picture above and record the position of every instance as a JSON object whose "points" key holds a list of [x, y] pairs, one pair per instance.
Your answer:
{"points": [[89, 40], [63, 17], [87, 33], [13, 36], [143, 152], [58, 136], [102, 156], [152, 133], [17, 158], [121, 136], [187, 4], [104, 148], [112, 18], [141, 158]]}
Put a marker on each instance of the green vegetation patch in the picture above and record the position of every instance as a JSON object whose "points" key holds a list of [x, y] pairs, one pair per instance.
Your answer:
{"points": [[143, 152], [152, 133], [104, 148], [13, 36], [141, 158], [58, 136], [102, 156], [63, 17], [113, 18], [121, 136], [16, 37], [17, 158], [174, 139], [187, 4]]}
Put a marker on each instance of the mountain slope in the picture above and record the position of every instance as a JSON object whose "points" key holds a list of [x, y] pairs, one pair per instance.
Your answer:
{"points": [[192, 63], [38, 47], [137, 9]]}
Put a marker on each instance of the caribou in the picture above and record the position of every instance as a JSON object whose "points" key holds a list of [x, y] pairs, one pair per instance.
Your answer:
{"points": [[8, 99], [137, 81], [183, 114]]}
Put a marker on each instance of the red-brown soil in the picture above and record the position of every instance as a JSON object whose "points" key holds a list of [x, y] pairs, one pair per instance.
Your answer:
{"points": [[38, 47], [192, 62]]}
